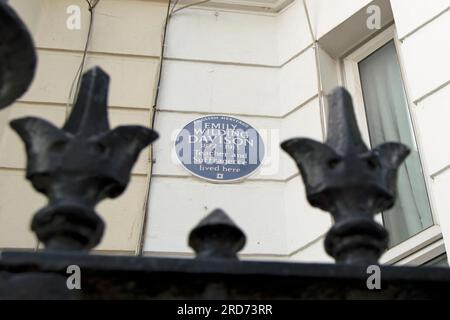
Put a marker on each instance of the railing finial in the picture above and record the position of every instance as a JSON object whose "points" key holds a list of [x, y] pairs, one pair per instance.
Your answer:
{"points": [[217, 236], [78, 166], [350, 181]]}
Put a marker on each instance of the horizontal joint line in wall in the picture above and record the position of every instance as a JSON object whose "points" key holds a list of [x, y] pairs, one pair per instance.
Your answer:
{"points": [[12, 169], [296, 55], [433, 91], [100, 53], [424, 24], [112, 252], [247, 254], [306, 246], [192, 255], [189, 254], [218, 113], [292, 177], [139, 174], [23, 169], [440, 171], [242, 64], [64, 105], [179, 176], [304, 103], [315, 96]]}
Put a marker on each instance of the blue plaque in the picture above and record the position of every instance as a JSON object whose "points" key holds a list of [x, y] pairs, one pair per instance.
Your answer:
{"points": [[220, 148]]}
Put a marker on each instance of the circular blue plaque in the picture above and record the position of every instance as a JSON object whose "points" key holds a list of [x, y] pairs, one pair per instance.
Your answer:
{"points": [[220, 148]]}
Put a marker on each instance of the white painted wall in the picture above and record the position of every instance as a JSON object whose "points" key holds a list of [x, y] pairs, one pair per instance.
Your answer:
{"points": [[262, 68], [293, 34], [425, 56], [328, 14], [411, 14], [218, 35], [215, 87]]}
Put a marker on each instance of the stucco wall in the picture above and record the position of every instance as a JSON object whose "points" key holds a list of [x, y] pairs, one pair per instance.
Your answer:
{"points": [[220, 62], [260, 67], [126, 43]]}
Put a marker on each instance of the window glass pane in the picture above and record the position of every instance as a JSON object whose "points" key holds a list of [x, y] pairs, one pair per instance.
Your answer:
{"points": [[440, 261], [388, 120]]}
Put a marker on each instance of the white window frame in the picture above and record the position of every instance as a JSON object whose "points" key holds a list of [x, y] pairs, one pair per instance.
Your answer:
{"points": [[427, 244]]}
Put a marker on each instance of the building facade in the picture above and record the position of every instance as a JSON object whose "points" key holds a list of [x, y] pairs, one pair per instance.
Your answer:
{"points": [[269, 63]]}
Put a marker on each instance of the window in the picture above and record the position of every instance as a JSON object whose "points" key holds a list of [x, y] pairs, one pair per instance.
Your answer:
{"points": [[373, 75], [440, 261], [388, 119]]}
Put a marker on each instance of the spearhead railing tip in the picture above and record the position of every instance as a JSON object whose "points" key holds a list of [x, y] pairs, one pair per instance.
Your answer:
{"points": [[17, 56], [351, 182], [89, 115], [217, 236], [79, 165], [343, 133]]}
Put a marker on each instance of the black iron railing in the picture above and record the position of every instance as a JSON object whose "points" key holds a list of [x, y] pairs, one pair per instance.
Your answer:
{"points": [[85, 162]]}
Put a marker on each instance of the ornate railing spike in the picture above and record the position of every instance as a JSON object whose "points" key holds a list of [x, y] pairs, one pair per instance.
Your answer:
{"points": [[350, 181], [17, 56], [217, 236], [79, 165]]}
